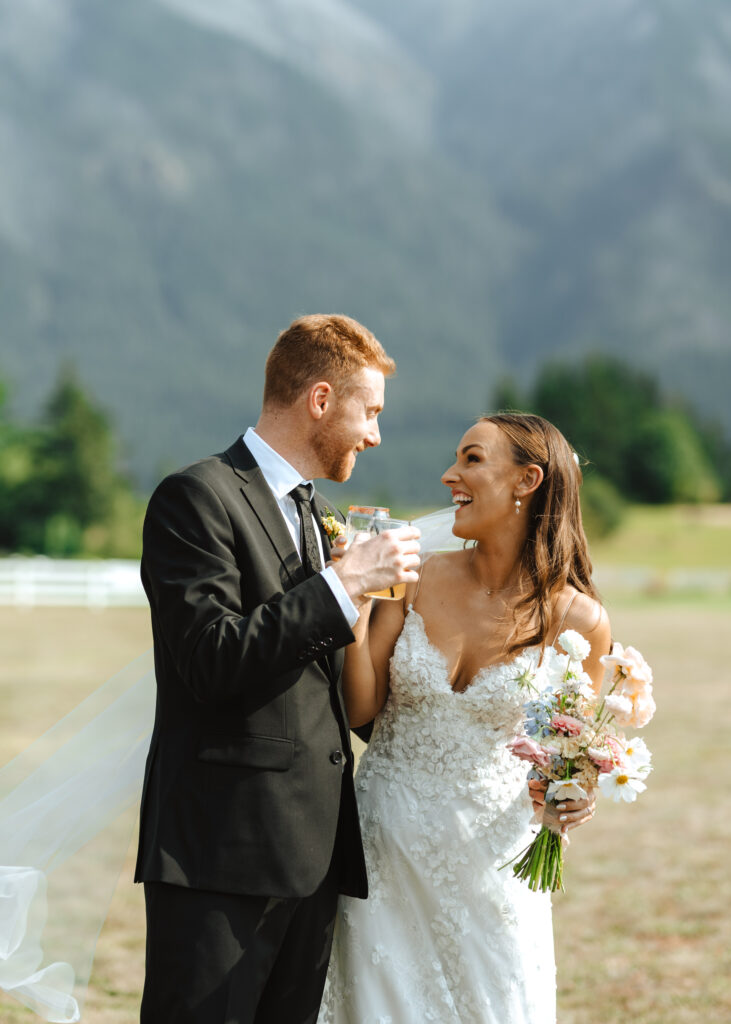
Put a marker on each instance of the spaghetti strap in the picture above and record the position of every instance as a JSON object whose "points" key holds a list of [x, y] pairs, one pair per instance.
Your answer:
{"points": [[566, 610], [418, 582]]}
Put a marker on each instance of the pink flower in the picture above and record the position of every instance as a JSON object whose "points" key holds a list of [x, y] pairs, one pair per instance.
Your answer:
{"points": [[528, 750], [602, 758], [568, 724], [616, 748]]}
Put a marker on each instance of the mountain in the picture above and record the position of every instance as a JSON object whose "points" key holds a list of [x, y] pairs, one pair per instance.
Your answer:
{"points": [[485, 184]]}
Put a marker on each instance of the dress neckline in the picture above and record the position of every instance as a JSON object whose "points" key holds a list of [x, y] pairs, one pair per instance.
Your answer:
{"points": [[477, 677]]}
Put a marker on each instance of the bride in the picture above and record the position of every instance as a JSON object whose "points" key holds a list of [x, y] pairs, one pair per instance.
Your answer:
{"points": [[445, 934]]}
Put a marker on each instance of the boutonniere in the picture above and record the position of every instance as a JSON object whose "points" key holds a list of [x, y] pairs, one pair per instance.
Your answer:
{"points": [[332, 527]]}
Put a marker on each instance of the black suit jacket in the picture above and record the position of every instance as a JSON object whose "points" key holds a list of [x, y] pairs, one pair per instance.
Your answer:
{"points": [[245, 770]]}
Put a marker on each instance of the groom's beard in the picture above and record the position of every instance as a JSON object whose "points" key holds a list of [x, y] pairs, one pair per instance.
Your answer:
{"points": [[335, 452]]}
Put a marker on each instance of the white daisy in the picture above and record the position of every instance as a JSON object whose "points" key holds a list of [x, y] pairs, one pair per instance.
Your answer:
{"points": [[565, 789], [619, 785], [638, 757]]}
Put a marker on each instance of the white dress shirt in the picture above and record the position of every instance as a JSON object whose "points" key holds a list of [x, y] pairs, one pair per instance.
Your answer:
{"points": [[282, 478]]}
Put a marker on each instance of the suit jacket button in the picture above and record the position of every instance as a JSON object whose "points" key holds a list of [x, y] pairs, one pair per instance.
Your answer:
{"points": [[337, 757]]}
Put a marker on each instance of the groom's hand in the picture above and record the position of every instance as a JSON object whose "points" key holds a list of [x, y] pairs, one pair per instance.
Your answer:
{"points": [[379, 562]]}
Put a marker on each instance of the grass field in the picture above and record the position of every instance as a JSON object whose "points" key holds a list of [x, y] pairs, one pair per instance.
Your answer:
{"points": [[643, 933], [669, 537]]}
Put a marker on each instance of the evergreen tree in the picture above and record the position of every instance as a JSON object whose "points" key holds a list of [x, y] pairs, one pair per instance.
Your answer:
{"points": [[78, 454], [58, 479], [627, 432]]}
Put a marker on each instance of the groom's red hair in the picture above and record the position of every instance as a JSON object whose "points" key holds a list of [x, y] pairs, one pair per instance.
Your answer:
{"points": [[320, 347]]}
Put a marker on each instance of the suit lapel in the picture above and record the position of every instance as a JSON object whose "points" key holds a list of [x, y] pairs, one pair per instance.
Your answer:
{"points": [[264, 505]]}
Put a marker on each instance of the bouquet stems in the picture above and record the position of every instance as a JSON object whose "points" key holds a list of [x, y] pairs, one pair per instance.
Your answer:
{"points": [[541, 863]]}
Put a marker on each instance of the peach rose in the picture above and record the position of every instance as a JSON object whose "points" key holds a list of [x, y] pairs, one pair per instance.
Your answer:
{"points": [[632, 674], [643, 708], [633, 711]]}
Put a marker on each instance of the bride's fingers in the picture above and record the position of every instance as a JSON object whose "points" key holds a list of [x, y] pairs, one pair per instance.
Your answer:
{"points": [[568, 821], [562, 821], [537, 793], [577, 805]]}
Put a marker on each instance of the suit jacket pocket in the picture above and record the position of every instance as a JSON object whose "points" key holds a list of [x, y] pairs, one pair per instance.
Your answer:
{"points": [[272, 753]]}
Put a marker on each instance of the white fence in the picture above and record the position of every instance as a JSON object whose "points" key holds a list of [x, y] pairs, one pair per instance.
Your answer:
{"points": [[27, 582]]}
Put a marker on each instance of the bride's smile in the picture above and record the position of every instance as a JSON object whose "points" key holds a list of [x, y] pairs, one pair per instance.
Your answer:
{"points": [[486, 482]]}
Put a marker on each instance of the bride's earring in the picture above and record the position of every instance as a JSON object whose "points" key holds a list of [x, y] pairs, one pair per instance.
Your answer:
{"points": [[517, 506]]}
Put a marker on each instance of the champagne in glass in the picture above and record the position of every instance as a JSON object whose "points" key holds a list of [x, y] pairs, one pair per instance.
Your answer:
{"points": [[372, 520]]}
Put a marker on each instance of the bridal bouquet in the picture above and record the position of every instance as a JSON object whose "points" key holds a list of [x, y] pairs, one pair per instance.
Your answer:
{"points": [[574, 740]]}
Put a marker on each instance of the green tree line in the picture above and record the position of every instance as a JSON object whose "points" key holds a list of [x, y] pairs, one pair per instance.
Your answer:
{"points": [[635, 443], [61, 493]]}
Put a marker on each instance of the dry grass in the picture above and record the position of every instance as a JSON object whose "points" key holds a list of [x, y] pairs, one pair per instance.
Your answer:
{"points": [[643, 933]]}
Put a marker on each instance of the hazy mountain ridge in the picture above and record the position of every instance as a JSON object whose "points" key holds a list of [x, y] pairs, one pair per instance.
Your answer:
{"points": [[518, 181]]}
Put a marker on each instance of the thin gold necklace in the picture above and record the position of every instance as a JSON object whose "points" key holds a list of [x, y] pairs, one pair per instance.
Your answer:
{"points": [[480, 584]]}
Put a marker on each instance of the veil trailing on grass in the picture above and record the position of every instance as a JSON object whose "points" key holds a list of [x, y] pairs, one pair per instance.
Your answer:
{"points": [[67, 809], [68, 805]]}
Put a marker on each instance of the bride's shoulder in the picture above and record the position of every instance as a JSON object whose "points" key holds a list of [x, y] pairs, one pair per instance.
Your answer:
{"points": [[438, 562], [438, 569], [581, 612], [441, 565]]}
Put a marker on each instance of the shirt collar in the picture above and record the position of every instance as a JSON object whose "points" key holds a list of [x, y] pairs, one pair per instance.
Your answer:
{"points": [[278, 473]]}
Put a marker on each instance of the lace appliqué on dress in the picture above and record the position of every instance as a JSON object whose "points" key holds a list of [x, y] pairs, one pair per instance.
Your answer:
{"points": [[445, 935]]}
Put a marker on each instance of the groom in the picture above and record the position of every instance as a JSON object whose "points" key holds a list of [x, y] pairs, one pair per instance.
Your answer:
{"points": [[249, 828]]}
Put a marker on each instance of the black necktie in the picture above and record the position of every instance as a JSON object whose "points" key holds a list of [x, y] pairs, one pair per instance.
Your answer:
{"points": [[309, 551]]}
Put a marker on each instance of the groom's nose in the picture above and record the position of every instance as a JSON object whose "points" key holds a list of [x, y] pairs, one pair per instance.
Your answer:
{"points": [[373, 437]]}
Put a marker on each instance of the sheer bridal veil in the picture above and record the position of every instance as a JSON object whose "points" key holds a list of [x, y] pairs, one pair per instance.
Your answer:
{"points": [[67, 809], [68, 805]]}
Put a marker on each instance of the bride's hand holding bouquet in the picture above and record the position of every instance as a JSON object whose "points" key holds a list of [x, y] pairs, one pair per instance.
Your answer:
{"points": [[575, 741]]}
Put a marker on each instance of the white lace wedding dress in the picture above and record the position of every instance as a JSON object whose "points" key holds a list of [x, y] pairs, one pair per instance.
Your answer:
{"points": [[445, 935]]}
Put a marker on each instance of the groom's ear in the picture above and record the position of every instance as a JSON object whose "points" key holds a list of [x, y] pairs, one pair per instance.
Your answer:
{"points": [[319, 399]]}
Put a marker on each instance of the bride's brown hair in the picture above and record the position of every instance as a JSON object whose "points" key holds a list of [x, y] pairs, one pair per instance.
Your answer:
{"points": [[555, 552]]}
